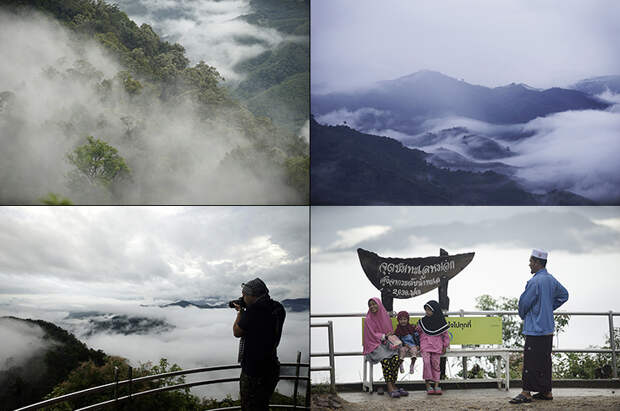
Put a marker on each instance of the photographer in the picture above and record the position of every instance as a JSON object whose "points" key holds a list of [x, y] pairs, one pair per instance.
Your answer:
{"points": [[259, 325]]}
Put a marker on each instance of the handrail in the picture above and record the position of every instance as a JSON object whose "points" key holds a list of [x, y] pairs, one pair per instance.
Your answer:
{"points": [[463, 312], [117, 384], [609, 314]]}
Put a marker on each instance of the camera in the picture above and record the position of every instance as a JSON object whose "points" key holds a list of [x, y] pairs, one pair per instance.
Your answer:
{"points": [[239, 301]]}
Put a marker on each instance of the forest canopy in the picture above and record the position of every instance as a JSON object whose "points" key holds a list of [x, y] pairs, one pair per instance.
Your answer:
{"points": [[180, 129]]}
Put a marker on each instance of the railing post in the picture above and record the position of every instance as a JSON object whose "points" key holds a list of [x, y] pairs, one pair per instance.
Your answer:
{"points": [[332, 365], [115, 387], [612, 345], [296, 379], [130, 372], [464, 358]]}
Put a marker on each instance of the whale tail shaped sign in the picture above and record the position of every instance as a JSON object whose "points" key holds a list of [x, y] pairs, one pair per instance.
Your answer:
{"points": [[410, 277]]}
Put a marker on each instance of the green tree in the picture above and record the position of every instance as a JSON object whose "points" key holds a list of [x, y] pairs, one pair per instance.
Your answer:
{"points": [[99, 162], [55, 199], [585, 365], [88, 375], [297, 174], [512, 328]]}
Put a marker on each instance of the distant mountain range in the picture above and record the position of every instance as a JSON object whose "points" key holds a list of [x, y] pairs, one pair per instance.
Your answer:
{"points": [[291, 304], [598, 85], [452, 142], [353, 168], [404, 104]]}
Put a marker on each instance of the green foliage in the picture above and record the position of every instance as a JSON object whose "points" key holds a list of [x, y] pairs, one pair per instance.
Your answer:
{"points": [[286, 103], [29, 381], [131, 85], [55, 199], [584, 365], [512, 328], [290, 59], [89, 374], [99, 162], [156, 69], [297, 169]]}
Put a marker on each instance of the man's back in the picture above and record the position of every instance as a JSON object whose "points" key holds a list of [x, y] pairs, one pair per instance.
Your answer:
{"points": [[543, 294]]}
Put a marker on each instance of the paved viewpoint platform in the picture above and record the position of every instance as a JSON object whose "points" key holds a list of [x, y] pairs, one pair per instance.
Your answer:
{"points": [[479, 399]]}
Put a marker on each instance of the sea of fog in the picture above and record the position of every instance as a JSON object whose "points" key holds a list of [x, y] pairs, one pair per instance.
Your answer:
{"points": [[576, 151], [200, 338]]}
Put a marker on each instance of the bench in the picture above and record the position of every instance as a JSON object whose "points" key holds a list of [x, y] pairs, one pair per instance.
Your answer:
{"points": [[464, 331]]}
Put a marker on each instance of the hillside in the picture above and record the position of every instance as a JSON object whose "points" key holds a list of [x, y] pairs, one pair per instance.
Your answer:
{"points": [[184, 137], [28, 381], [277, 83], [353, 168]]}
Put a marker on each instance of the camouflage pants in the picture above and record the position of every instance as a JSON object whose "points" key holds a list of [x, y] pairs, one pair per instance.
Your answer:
{"points": [[255, 392]]}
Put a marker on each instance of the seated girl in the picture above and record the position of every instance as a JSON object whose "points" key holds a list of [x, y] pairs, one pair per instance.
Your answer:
{"points": [[410, 339]]}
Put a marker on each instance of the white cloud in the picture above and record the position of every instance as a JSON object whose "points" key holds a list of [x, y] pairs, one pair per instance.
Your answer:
{"points": [[353, 236]]}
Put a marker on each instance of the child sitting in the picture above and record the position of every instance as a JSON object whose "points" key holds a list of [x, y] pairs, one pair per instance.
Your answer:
{"points": [[410, 339], [434, 340]]}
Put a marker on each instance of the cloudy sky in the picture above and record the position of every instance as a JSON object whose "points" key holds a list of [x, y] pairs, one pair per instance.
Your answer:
{"points": [[128, 260], [147, 254], [583, 245], [355, 42]]}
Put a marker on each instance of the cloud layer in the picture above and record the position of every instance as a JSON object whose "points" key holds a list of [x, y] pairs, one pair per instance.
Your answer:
{"points": [[210, 30]]}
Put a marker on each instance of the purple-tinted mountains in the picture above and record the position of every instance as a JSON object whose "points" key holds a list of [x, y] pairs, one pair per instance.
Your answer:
{"points": [[405, 103]]}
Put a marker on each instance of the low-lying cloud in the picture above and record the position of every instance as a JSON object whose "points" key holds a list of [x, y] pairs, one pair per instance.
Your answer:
{"points": [[199, 338], [210, 30], [576, 151], [52, 96]]}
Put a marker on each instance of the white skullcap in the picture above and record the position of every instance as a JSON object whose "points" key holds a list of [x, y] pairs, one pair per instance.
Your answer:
{"points": [[539, 254]]}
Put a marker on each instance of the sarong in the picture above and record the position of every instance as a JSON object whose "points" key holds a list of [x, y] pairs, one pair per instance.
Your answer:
{"points": [[537, 363]]}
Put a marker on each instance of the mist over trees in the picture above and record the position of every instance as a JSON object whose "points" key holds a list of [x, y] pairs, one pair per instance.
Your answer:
{"points": [[81, 77]]}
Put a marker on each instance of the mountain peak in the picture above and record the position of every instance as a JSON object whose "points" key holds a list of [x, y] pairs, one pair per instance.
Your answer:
{"points": [[424, 75]]}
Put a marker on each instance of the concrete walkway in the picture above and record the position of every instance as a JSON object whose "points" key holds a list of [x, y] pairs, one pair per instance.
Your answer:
{"points": [[487, 399]]}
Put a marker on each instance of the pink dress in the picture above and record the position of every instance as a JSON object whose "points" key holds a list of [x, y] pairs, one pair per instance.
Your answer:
{"points": [[431, 347]]}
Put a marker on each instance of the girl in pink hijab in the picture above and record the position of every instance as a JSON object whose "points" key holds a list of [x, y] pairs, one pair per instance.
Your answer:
{"points": [[377, 327]]}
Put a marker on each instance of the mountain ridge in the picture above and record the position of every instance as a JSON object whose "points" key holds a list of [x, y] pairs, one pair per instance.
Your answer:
{"points": [[354, 168]]}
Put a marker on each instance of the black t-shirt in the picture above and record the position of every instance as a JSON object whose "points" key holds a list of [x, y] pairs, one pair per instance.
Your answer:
{"points": [[262, 324]]}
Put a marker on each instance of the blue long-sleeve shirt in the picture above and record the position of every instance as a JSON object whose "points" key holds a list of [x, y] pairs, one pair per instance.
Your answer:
{"points": [[543, 294]]}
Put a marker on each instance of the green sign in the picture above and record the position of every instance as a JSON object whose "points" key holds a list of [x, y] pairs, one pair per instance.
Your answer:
{"points": [[467, 330]]}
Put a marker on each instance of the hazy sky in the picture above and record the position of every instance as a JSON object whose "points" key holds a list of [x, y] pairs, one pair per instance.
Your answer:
{"points": [[544, 44], [583, 245]]}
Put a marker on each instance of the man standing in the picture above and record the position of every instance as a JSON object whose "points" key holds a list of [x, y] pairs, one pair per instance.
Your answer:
{"points": [[259, 325], [543, 294]]}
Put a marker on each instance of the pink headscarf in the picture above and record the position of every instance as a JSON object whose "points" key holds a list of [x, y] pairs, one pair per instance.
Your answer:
{"points": [[375, 326]]}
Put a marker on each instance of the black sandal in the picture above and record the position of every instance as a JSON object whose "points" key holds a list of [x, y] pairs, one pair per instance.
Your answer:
{"points": [[541, 396], [520, 399]]}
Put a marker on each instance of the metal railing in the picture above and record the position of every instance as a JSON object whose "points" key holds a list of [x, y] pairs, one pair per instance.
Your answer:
{"points": [[332, 354], [131, 381]]}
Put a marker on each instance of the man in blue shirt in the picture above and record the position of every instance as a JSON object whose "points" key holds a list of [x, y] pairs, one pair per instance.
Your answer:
{"points": [[543, 294]]}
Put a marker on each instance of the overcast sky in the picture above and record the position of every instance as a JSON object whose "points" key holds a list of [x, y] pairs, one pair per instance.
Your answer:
{"points": [[546, 43], [147, 254], [583, 245]]}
